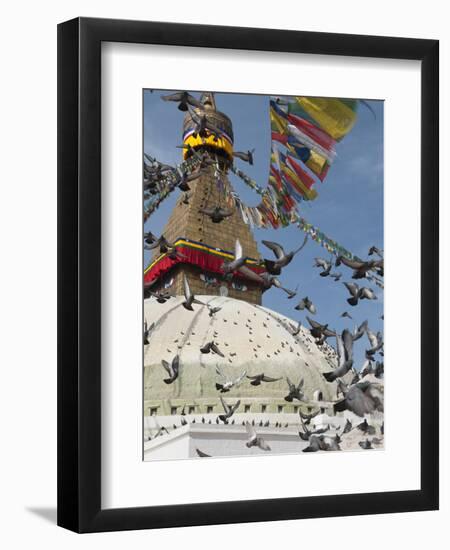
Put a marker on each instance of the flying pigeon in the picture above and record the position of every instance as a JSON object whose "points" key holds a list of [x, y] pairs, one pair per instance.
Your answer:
{"points": [[216, 213], [183, 99], [306, 418], [237, 262], [325, 265], [358, 293], [274, 267], [246, 157], [336, 276], [211, 347], [271, 280], [189, 298], [344, 349], [183, 178], [258, 378], [229, 410], [172, 369], [362, 398], [228, 383], [319, 332], [361, 268], [295, 392], [203, 126], [305, 303], [376, 342], [255, 440]]}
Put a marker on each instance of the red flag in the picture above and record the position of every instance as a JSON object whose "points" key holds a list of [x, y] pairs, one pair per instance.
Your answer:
{"points": [[312, 131], [302, 174]]}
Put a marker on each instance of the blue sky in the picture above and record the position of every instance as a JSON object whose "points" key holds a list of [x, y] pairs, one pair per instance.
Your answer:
{"points": [[348, 209]]}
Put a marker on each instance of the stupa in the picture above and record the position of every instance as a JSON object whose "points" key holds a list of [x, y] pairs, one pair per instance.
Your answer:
{"points": [[204, 244], [183, 416]]}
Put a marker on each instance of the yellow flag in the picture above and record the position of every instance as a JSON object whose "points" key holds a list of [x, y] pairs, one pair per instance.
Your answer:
{"points": [[333, 115], [317, 163], [311, 194], [278, 124]]}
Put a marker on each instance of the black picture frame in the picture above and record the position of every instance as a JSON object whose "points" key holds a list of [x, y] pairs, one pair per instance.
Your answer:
{"points": [[79, 274]]}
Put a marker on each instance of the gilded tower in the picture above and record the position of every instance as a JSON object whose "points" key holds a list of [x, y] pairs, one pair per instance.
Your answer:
{"points": [[204, 245]]}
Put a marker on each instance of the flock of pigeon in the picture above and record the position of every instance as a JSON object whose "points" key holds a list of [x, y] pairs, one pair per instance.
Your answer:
{"points": [[362, 394]]}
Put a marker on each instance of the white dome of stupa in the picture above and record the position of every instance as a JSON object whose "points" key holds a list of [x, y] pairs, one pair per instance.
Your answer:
{"points": [[252, 338]]}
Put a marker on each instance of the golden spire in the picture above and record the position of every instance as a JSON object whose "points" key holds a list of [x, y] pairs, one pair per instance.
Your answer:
{"points": [[208, 100], [219, 134]]}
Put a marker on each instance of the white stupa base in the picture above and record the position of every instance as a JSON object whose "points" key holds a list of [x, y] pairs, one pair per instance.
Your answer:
{"points": [[221, 440]]}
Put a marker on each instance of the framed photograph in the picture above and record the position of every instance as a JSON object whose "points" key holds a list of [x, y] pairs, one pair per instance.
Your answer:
{"points": [[248, 275]]}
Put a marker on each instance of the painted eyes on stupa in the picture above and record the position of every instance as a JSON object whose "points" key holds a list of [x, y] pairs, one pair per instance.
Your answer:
{"points": [[237, 285], [209, 279]]}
